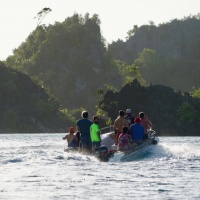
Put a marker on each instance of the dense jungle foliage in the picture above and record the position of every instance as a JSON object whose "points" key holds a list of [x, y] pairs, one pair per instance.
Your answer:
{"points": [[168, 54], [71, 62], [69, 59], [172, 113], [26, 108]]}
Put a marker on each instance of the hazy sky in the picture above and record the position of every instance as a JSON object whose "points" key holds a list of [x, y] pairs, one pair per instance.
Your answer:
{"points": [[117, 16]]}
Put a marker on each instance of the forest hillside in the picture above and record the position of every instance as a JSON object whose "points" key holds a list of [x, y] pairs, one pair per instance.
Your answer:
{"points": [[168, 54], [26, 108], [69, 59], [71, 65], [172, 113]]}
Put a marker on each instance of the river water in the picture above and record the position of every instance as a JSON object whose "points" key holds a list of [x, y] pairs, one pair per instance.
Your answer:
{"points": [[34, 166]]}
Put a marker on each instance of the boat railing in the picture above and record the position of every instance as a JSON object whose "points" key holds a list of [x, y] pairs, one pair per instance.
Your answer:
{"points": [[106, 129]]}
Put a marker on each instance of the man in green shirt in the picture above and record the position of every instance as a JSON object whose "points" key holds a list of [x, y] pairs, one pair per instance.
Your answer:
{"points": [[95, 132]]}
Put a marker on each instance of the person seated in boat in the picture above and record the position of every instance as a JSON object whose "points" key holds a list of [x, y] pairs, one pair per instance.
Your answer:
{"points": [[137, 131], [71, 138], [125, 141], [119, 123], [129, 117], [108, 140], [83, 125], [95, 133], [146, 123]]}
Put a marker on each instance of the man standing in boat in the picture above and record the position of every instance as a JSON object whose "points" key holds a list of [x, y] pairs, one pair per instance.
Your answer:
{"points": [[146, 123], [119, 123], [95, 132], [83, 125], [129, 117]]}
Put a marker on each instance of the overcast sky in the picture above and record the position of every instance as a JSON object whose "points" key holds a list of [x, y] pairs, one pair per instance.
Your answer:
{"points": [[117, 16]]}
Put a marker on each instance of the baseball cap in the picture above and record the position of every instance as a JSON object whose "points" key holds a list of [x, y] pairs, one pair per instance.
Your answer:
{"points": [[128, 110]]}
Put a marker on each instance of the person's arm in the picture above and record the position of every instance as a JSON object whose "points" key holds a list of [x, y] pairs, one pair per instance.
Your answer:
{"points": [[99, 134], [98, 131], [115, 126], [77, 126], [64, 138], [67, 138], [150, 125]]}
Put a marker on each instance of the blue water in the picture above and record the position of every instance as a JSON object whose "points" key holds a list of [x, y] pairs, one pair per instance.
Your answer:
{"points": [[34, 166]]}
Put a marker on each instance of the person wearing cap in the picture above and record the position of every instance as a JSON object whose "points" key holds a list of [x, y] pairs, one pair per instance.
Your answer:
{"points": [[83, 125], [137, 131], [119, 123], [95, 133], [146, 123], [129, 117], [71, 138]]}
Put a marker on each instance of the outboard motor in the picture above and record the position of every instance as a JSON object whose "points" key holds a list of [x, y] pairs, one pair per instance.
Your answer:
{"points": [[154, 141], [102, 153], [152, 134]]}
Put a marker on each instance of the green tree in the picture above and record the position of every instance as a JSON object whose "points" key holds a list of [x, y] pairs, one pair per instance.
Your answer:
{"points": [[132, 32], [187, 114], [147, 63], [196, 93]]}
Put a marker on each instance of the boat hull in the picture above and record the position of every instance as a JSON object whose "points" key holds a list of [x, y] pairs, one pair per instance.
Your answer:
{"points": [[126, 155]]}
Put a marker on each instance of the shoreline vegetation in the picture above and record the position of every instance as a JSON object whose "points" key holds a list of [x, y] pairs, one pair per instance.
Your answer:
{"points": [[62, 69]]}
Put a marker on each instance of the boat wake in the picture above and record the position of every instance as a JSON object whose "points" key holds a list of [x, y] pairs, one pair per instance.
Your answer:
{"points": [[79, 157], [177, 150]]}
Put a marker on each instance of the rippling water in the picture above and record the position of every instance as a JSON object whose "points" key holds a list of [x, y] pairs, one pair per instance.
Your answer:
{"points": [[34, 166]]}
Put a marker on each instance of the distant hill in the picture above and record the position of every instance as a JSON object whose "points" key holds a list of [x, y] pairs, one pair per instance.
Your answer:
{"points": [[172, 113], [70, 59], [176, 61], [26, 108], [71, 62]]}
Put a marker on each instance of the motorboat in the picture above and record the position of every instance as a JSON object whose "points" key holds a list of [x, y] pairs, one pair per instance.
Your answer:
{"points": [[106, 153]]}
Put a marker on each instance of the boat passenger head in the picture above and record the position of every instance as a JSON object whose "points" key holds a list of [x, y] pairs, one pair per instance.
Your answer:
{"points": [[128, 111], [84, 114], [137, 120], [96, 119], [71, 130], [121, 113], [141, 114], [125, 129]]}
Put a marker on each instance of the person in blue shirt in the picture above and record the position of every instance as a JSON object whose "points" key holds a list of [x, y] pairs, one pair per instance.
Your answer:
{"points": [[83, 125], [137, 131]]}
